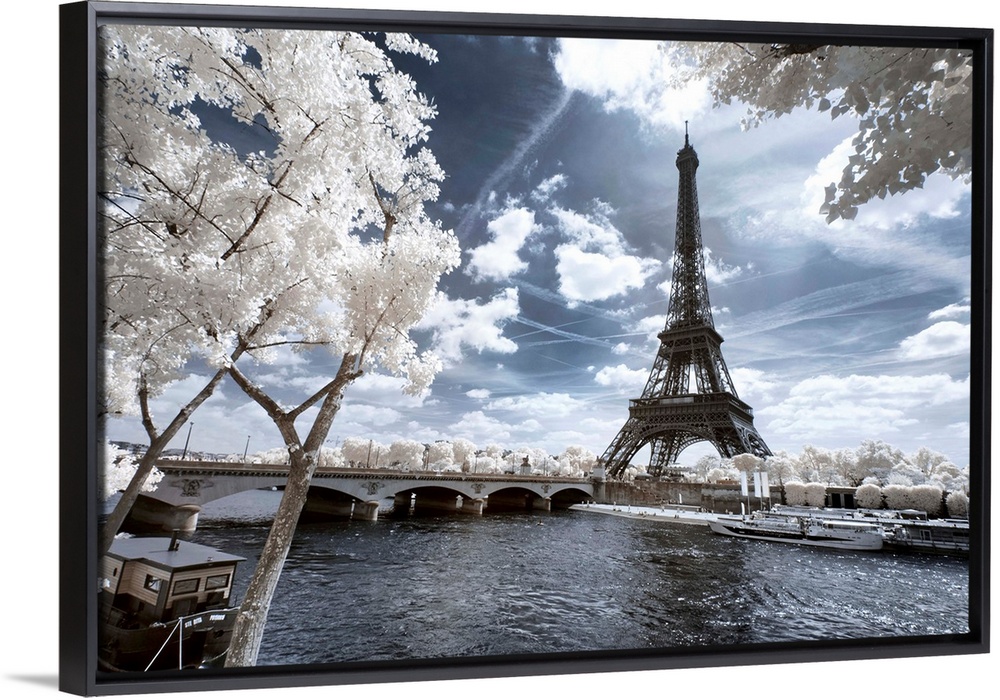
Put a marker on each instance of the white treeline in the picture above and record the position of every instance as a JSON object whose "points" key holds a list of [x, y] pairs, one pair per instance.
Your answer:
{"points": [[444, 456], [874, 462]]}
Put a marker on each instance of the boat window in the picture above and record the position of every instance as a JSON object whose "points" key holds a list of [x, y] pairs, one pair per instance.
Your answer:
{"points": [[218, 581], [188, 585], [152, 583]]}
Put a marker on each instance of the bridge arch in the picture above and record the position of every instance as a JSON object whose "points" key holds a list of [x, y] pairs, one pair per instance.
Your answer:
{"points": [[357, 494]]}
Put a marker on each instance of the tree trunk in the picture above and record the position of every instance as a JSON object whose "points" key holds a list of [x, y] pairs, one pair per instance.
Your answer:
{"points": [[252, 618], [248, 631]]}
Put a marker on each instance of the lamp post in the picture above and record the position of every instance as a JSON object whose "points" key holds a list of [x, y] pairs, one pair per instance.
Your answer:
{"points": [[186, 441], [245, 449]]}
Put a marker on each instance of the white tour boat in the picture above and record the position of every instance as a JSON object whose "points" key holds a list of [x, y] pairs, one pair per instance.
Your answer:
{"points": [[834, 534]]}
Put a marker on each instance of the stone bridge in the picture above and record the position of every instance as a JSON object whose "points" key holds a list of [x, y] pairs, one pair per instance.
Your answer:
{"points": [[358, 494]]}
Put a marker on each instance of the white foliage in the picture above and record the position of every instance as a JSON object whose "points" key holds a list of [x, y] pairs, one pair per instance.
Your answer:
{"points": [[441, 455], [576, 460], [718, 474], [275, 455], [464, 453], [815, 494], [362, 453], [747, 463], [406, 454], [913, 106], [868, 496], [927, 498], [897, 497], [117, 467], [207, 246], [958, 505], [795, 493]]}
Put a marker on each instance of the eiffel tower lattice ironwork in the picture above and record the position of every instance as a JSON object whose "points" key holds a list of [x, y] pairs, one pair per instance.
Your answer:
{"points": [[670, 416]]}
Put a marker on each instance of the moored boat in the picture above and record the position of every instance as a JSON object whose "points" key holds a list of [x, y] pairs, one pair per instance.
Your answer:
{"points": [[165, 604], [833, 534], [902, 530]]}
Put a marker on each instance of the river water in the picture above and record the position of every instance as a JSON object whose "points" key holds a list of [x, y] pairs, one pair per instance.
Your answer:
{"points": [[452, 586]]}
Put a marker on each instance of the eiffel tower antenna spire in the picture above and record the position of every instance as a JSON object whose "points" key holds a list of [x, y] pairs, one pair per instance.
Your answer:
{"points": [[672, 414]]}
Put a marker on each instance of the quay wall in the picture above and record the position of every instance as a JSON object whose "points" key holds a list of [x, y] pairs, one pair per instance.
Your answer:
{"points": [[716, 498]]}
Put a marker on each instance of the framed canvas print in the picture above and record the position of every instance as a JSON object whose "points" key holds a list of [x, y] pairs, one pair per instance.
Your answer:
{"points": [[406, 346]]}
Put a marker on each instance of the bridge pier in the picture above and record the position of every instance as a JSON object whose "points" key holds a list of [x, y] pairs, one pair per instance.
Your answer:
{"points": [[151, 515], [541, 504], [473, 505], [365, 510]]}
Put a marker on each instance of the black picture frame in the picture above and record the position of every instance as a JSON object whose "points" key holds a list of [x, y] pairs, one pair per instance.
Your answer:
{"points": [[79, 309]]}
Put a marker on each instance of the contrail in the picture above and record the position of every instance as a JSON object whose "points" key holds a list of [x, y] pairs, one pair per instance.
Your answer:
{"points": [[515, 159]]}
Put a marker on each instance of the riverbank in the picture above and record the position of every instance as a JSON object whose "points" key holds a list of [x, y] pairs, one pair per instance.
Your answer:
{"points": [[658, 513]]}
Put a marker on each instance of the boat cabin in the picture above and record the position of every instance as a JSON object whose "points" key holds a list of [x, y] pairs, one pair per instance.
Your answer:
{"points": [[154, 579]]}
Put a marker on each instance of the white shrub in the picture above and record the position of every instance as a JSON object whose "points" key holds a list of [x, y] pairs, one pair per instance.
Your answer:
{"points": [[795, 493], [815, 494], [868, 496], [926, 498], [897, 497], [958, 505]]}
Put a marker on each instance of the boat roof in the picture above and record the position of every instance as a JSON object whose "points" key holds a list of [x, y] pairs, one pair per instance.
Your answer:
{"points": [[157, 550]]}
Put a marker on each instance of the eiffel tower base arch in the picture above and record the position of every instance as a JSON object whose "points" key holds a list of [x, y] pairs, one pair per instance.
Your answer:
{"points": [[670, 425]]}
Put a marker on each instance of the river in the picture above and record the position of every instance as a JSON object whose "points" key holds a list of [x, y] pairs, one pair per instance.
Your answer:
{"points": [[451, 586]]}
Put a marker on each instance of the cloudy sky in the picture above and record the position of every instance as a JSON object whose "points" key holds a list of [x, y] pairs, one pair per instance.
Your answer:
{"points": [[562, 191]]}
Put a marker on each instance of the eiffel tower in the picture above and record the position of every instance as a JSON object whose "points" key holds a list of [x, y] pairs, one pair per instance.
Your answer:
{"points": [[669, 416]]}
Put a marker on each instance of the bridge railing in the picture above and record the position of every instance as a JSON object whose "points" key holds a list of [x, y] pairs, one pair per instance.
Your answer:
{"points": [[256, 469]]}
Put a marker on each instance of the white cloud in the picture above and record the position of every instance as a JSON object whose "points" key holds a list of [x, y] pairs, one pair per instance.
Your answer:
{"points": [[621, 349], [595, 264], [480, 394], [480, 428], [548, 187], [622, 378], [542, 404], [718, 272], [498, 259], [594, 276], [383, 389], [748, 381], [859, 406], [631, 75], [363, 414], [940, 340], [951, 311], [465, 323]]}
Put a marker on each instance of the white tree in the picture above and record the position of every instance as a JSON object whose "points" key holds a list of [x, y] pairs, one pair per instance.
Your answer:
{"points": [[877, 458], [315, 236], [817, 464], [406, 454], [913, 105], [275, 455], [464, 453], [440, 455], [705, 464], [781, 467], [576, 459], [747, 463], [362, 453], [117, 470]]}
